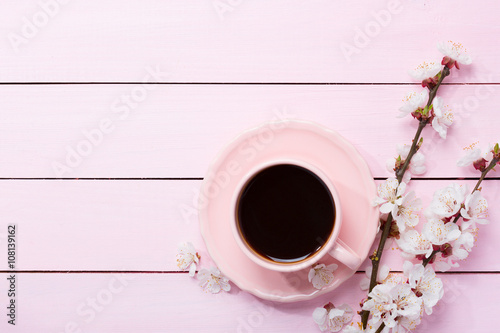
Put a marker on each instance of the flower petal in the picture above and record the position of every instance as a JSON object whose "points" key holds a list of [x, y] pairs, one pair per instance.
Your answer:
{"points": [[364, 284], [192, 269], [471, 156], [386, 208], [320, 315]]}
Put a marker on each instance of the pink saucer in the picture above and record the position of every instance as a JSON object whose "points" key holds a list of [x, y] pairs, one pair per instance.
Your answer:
{"points": [[289, 139]]}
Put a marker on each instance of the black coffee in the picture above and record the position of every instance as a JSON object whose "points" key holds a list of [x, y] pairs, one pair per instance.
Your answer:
{"points": [[285, 213]]}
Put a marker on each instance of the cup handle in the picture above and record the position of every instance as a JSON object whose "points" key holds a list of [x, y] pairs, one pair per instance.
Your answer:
{"points": [[343, 253]]}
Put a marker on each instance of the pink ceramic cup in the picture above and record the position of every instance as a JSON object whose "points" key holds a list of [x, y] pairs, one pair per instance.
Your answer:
{"points": [[332, 247]]}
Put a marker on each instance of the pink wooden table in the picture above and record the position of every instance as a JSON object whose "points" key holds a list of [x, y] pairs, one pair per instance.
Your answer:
{"points": [[149, 91]]}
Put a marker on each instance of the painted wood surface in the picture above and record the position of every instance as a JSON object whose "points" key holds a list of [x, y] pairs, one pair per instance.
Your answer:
{"points": [[98, 111], [244, 41], [95, 131], [161, 303], [130, 225]]}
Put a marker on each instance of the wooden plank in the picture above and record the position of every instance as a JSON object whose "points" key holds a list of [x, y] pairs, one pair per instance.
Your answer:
{"points": [[174, 303], [137, 225], [76, 131], [240, 41]]}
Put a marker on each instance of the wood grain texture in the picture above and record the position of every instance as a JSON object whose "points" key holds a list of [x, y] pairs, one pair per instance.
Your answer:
{"points": [[164, 303], [136, 225], [251, 41], [176, 130], [226, 65]]}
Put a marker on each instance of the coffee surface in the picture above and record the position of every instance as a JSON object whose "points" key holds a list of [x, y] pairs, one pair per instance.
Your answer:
{"points": [[285, 213]]}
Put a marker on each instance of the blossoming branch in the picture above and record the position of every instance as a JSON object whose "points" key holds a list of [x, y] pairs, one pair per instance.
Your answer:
{"points": [[397, 303]]}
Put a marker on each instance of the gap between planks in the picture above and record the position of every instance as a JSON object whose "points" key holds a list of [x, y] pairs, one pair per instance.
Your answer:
{"points": [[248, 83], [201, 178], [185, 272]]}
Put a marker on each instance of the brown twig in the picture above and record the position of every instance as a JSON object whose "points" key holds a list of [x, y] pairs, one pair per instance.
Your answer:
{"points": [[381, 328]]}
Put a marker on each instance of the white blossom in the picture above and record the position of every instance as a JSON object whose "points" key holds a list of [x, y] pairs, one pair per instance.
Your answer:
{"points": [[443, 118], [321, 275], [187, 258], [475, 210], [413, 101], [476, 156], [416, 166], [425, 70], [447, 201], [383, 273], [412, 244], [389, 195], [438, 232], [403, 323], [406, 213], [333, 318], [213, 281], [425, 283], [445, 264], [389, 302], [464, 244], [455, 51], [470, 157]]}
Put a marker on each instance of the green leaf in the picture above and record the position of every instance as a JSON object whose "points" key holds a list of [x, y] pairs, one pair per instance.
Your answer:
{"points": [[425, 111], [496, 149]]}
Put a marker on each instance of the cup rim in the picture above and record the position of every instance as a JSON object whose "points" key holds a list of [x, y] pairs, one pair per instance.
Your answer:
{"points": [[303, 263]]}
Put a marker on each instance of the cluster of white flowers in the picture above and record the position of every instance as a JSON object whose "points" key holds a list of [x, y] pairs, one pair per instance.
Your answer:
{"points": [[332, 319], [440, 116], [398, 301], [394, 305], [452, 219], [415, 167], [404, 207], [429, 73], [448, 236], [211, 280], [399, 304]]}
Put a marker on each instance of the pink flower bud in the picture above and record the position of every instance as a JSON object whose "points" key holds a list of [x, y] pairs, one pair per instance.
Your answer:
{"points": [[329, 306], [446, 250], [449, 62], [430, 82], [480, 164]]}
